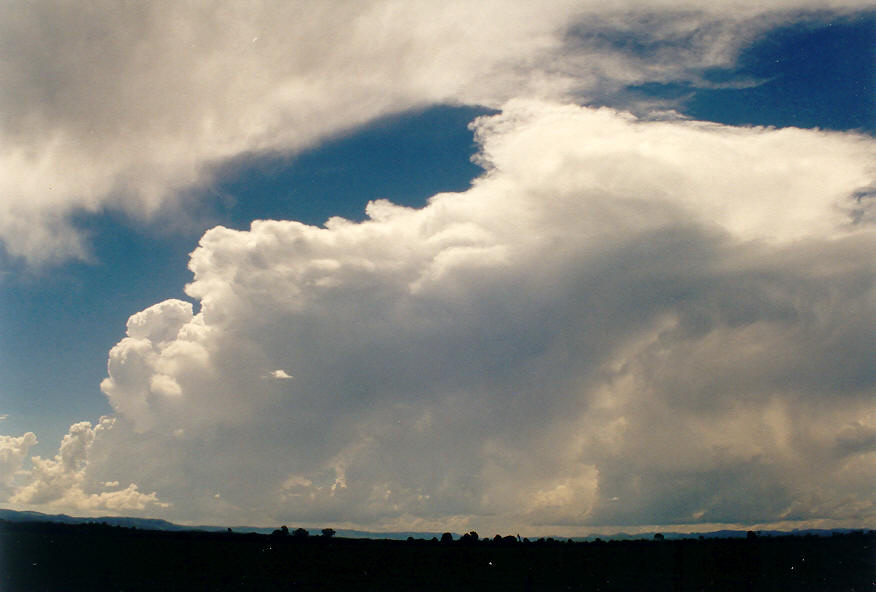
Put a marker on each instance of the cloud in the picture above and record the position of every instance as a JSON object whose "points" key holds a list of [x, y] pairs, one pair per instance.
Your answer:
{"points": [[13, 452], [623, 322], [133, 107], [60, 482]]}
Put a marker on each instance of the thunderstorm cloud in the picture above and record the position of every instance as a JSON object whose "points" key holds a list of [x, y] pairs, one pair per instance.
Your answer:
{"points": [[628, 319]]}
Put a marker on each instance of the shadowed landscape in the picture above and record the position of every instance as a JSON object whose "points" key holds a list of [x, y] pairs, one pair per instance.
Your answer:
{"points": [[95, 556]]}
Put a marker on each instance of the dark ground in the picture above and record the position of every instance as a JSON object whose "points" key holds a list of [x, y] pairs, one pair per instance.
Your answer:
{"points": [[48, 557]]}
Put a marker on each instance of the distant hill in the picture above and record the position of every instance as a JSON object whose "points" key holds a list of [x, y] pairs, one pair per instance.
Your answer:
{"points": [[144, 523], [716, 534], [159, 524]]}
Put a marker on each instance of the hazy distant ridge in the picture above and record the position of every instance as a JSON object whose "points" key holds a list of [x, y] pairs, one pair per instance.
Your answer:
{"points": [[159, 524]]}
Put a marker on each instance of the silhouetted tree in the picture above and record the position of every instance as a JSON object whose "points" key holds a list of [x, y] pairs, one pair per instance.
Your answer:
{"points": [[446, 538], [300, 533], [282, 531], [328, 532]]}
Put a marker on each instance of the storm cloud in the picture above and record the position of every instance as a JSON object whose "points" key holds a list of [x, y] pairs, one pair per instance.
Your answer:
{"points": [[623, 322]]}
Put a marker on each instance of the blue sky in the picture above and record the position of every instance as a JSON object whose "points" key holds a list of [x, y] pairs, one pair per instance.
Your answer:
{"points": [[483, 340], [816, 75]]}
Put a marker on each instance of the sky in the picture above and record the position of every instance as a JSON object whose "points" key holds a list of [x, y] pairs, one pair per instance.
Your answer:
{"points": [[554, 269]]}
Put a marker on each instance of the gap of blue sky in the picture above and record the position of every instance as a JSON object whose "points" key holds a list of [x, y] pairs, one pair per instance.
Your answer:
{"points": [[404, 158]]}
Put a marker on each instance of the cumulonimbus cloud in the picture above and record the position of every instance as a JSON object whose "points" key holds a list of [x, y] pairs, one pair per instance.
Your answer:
{"points": [[623, 322], [131, 106]]}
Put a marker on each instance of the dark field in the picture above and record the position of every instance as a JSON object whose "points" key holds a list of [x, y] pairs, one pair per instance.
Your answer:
{"points": [[43, 556]]}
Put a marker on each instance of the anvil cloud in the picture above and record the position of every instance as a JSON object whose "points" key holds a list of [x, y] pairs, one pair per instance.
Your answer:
{"points": [[131, 107]]}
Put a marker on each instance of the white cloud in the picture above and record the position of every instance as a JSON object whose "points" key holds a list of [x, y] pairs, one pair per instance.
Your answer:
{"points": [[61, 482], [128, 106], [623, 322], [162, 346], [13, 452]]}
